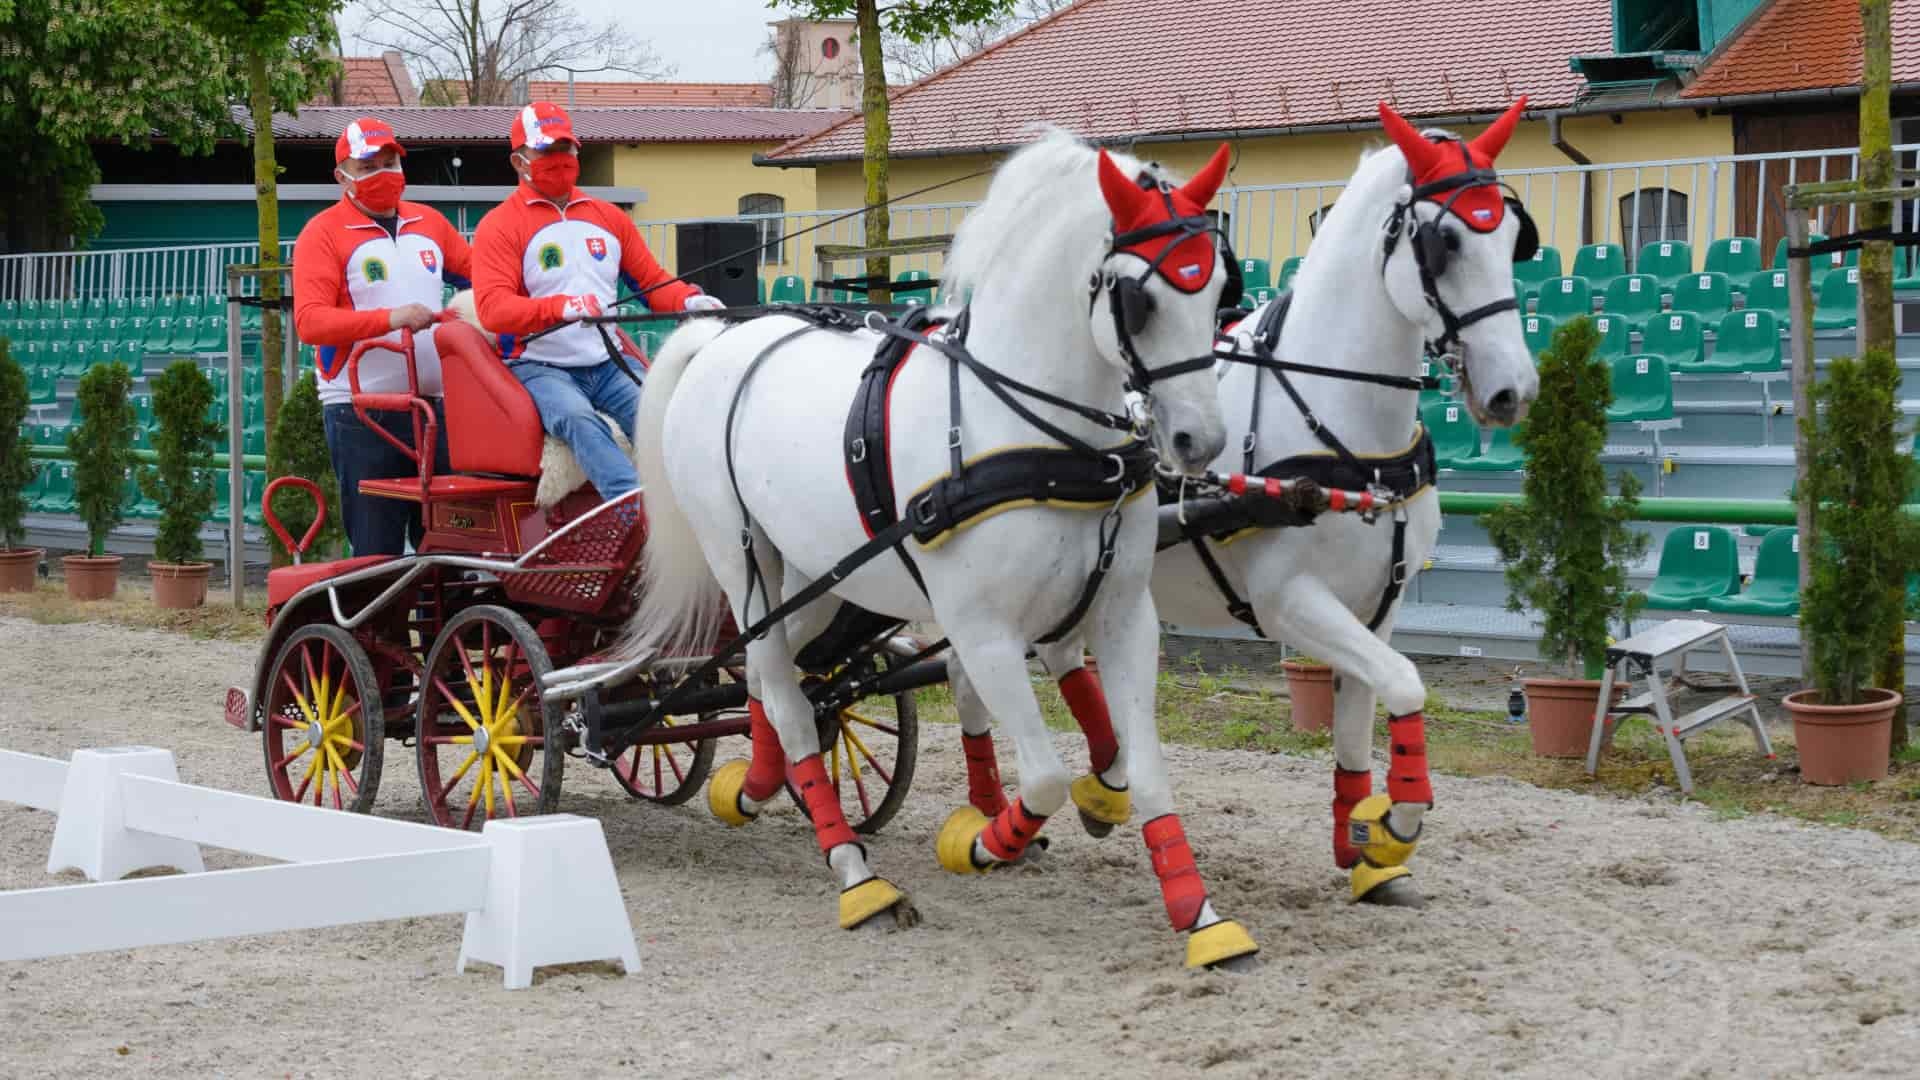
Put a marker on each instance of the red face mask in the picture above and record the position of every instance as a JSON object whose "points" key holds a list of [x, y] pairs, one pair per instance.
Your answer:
{"points": [[554, 175], [379, 192]]}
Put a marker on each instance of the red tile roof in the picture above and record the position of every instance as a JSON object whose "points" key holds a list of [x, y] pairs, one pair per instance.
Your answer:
{"points": [[1804, 45], [481, 123], [733, 95], [1115, 68], [372, 81]]}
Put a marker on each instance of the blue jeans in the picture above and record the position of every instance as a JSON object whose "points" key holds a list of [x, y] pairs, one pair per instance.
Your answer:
{"points": [[568, 398], [377, 526]]}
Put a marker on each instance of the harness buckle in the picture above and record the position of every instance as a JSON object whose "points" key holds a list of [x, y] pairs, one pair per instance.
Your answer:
{"points": [[1119, 469], [1247, 444], [746, 539], [924, 511], [953, 438], [1106, 560], [1399, 572], [857, 452]]}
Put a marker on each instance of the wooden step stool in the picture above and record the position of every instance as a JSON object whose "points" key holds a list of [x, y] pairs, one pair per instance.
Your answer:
{"points": [[1644, 655]]}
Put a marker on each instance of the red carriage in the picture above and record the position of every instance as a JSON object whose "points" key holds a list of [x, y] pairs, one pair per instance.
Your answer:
{"points": [[487, 652]]}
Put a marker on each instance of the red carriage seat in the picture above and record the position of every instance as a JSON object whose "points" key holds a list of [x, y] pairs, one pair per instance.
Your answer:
{"points": [[286, 581], [492, 425]]}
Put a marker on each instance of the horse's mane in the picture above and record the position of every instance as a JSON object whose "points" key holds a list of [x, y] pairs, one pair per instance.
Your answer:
{"points": [[1043, 207]]}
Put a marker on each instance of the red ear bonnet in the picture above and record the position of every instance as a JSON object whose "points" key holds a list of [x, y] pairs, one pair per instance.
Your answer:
{"points": [[1480, 208], [1189, 265]]}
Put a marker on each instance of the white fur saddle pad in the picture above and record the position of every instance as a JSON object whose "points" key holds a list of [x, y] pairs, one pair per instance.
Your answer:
{"points": [[560, 472]]}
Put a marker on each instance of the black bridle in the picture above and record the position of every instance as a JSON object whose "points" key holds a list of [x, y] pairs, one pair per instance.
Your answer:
{"points": [[1128, 300], [1428, 245]]}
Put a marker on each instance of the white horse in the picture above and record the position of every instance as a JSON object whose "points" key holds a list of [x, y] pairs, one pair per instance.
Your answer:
{"points": [[1363, 302], [1086, 272]]}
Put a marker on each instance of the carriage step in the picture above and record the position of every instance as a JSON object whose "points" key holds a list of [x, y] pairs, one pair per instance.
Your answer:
{"points": [[1641, 702], [1709, 714]]}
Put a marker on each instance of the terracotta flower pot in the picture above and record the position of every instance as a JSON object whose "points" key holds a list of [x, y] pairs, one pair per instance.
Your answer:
{"points": [[179, 585], [19, 567], [1560, 715], [1840, 744], [90, 577], [1310, 686]]}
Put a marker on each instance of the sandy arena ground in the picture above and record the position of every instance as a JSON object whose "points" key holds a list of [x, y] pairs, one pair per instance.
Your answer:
{"points": [[1568, 936]]}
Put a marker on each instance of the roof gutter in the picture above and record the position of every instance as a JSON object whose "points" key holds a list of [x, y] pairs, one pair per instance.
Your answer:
{"points": [[1671, 102], [1558, 138]]}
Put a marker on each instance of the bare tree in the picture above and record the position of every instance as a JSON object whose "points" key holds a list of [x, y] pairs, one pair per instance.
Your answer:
{"points": [[476, 52], [794, 79], [911, 61]]}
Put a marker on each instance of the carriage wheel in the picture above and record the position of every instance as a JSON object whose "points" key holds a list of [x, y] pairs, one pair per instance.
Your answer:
{"points": [[324, 730], [869, 758], [483, 748], [666, 773]]}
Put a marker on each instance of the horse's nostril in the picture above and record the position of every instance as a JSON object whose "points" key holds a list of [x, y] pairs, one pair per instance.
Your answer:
{"points": [[1182, 442], [1504, 404]]}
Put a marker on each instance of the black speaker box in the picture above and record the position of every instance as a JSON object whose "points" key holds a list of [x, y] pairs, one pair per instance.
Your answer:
{"points": [[728, 243]]}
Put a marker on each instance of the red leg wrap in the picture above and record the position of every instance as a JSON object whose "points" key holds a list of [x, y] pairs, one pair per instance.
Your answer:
{"points": [[1081, 688], [1180, 884], [769, 765], [1348, 789], [983, 774], [1407, 779], [1008, 834], [823, 804]]}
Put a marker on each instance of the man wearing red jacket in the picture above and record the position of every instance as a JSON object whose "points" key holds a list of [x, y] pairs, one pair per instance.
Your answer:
{"points": [[364, 268], [552, 254]]}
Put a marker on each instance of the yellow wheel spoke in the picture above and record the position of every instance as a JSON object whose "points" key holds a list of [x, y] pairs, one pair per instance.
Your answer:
{"points": [[313, 766], [465, 740], [483, 700], [333, 707], [462, 770], [501, 711], [509, 740], [849, 714], [853, 759], [485, 783], [857, 743], [512, 767], [306, 710], [462, 710], [300, 753], [337, 765]]}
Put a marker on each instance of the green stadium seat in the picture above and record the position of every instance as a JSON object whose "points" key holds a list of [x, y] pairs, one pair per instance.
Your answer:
{"points": [[1738, 257], [65, 329], [141, 307], [38, 309], [133, 501], [107, 352], [1538, 330], [73, 308], [1697, 563], [1615, 337], [1529, 274], [1501, 455], [88, 329], [36, 488], [1633, 297], [1838, 306], [253, 438], [43, 385], [211, 335], [186, 334], [256, 493], [56, 496], [788, 289], [1565, 298], [48, 330], [1747, 341], [1246, 302], [1675, 336], [1600, 264], [1265, 294], [9, 309], [1666, 260], [1642, 389], [1707, 294], [59, 354], [118, 308], [1775, 589], [1455, 436], [173, 307], [1288, 268], [909, 285], [29, 354], [160, 334], [1767, 291], [1256, 273]]}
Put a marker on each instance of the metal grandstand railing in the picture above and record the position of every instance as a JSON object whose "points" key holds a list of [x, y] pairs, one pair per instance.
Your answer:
{"points": [[1698, 199]]}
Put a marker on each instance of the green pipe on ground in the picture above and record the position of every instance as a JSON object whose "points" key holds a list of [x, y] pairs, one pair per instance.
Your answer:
{"points": [[1653, 508], [256, 462]]}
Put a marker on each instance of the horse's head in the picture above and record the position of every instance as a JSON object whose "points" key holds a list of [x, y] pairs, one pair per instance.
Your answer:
{"points": [[1153, 298], [1448, 251]]}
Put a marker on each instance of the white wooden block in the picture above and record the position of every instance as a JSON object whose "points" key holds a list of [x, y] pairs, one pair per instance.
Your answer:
{"points": [[552, 898], [92, 835]]}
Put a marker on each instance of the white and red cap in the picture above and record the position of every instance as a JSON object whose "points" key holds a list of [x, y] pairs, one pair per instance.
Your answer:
{"points": [[541, 125], [365, 138]]}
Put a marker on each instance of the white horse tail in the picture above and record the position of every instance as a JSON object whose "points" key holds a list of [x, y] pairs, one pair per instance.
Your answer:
{"points": [[681, 602]]}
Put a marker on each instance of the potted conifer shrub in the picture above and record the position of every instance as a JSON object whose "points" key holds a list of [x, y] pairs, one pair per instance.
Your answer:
{"points": [[18, 564], [1310, 692], [1566, 546], [1855, 600], [101, 446], [181, 484]]}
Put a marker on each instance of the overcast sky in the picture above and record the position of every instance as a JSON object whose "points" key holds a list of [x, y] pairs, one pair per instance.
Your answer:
{"points": [[709, 40]]}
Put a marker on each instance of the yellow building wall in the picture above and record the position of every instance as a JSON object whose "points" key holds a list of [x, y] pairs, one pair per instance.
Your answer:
{"points": [[1274, 224], [703, 180]]}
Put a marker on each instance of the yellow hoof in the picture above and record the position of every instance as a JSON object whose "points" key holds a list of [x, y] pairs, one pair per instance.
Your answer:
{"points": [[1368, 830], [1367, 878], [723, 793], [1100, 802], [865, 900], [954, 844], [1218, 943]]}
